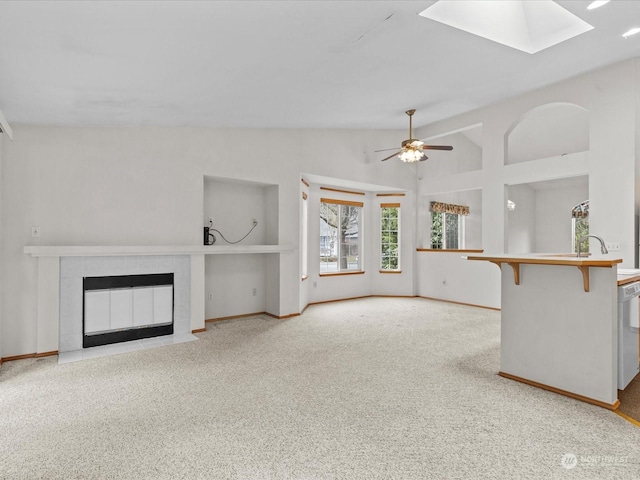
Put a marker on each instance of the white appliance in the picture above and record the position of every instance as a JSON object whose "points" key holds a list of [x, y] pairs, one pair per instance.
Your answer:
{"points": [[628, 327]]}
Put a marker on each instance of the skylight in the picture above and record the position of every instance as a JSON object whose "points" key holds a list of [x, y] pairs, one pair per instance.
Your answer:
{"points": [[524, 25]]}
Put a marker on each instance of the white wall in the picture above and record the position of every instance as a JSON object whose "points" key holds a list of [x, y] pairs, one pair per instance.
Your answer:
{"points": [[472, 222], [1, 246], [541, 221], [234, 205], [145, 186], [230, 280], [553, 217], [549, 131], [521, 222], [610, 97], [371, 282], [401, 284], [332, 287], [466, 156]]}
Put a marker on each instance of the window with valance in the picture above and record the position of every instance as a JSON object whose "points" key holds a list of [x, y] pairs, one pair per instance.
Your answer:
{"points": [[440, 207], [447, 225]]}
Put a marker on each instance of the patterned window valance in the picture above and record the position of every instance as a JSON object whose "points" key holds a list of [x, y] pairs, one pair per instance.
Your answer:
{"points": [[581, 210], [440, 207]]}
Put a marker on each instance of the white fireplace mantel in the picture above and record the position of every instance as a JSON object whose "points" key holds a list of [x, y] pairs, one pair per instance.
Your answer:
{"points": [[48, 258], [119, 250]]}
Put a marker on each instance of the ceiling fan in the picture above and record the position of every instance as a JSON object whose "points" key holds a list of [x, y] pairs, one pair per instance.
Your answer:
{"points": [[412, 149]]}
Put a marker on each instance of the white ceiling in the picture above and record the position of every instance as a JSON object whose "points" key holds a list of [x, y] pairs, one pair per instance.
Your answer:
{"points": [[302, 64]]}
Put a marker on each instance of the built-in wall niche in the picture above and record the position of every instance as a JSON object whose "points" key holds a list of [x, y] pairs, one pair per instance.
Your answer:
{"points": [[472, 222], [552, 130], [539, 216], [466, 155], [236, 284], [234, 205]]}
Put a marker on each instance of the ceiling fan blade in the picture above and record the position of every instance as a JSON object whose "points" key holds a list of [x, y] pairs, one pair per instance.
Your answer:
{"points": [[437, 147], [391, 156], [386, 149], [423, 159]]}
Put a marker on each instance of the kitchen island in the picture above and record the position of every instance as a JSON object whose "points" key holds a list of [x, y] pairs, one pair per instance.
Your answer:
{"points": [[559, 328]]}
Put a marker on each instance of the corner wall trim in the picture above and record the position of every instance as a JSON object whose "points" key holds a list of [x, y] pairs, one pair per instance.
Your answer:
{"points": [[461, 303], [28, 355], [628, 418], [232, 317], [609, 406], [283, 317]]}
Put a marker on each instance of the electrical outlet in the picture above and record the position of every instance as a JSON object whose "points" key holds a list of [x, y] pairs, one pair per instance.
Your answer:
{"points": [[254, 291], [315, 284], [211, 297], [35, 232], [613, 246]]}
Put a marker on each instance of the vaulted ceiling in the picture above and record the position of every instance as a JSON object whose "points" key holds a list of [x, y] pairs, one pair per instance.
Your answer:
{"points": [[281, 64]]}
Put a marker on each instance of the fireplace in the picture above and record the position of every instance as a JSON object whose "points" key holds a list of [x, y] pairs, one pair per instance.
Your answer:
{"points": [[122, 308]]}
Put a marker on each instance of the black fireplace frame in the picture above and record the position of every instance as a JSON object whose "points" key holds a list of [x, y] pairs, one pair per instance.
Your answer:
{"points": [[122, 282]]}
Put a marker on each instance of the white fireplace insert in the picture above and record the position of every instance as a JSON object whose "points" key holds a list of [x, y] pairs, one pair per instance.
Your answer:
{"points": [[122, 308]]}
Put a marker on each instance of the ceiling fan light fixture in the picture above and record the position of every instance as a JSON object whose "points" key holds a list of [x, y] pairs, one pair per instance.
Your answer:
{"points": [[412, 148], [409, 155]]}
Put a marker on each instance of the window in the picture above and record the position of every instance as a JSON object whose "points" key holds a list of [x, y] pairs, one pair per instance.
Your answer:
{"points": [[447, 226], [447, 231], [580, 226], [304, 236], [340, 236], [390, 236]]}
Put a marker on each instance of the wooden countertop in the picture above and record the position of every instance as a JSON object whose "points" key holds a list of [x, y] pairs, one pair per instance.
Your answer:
{"points": [[549, 259], [582, 263], [626, 279]]}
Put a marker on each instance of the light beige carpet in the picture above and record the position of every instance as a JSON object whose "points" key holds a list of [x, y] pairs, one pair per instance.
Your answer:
{"points": [[363, 389]]}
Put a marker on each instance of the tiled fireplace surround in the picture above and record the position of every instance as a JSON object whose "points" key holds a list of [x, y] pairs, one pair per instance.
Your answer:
{"points": [[73, 269], [60, 270]]}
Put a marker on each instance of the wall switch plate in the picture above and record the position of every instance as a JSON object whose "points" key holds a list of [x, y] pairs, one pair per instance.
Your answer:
{"points": [[211, 297], [613, 246], [254, 291], [35, 232]]}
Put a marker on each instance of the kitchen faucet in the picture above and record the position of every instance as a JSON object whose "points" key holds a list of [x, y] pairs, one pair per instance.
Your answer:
{"points": [[603, 248]]}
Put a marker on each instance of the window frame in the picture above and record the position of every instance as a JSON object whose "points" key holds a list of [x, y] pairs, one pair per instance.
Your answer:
{"points": [[304, 237], [460, 243], [339, 271], [397, 243], [574, 236]]}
